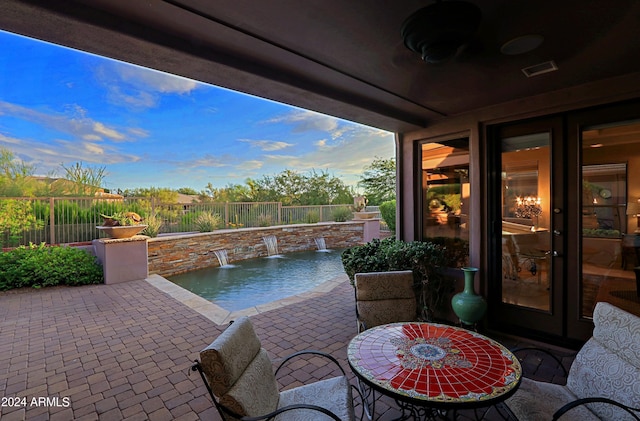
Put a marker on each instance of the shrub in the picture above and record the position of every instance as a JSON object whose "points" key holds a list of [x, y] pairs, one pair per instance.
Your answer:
{"points": [[388, 213], [312, 217], [342, 214], [154, 224], [208, 221], [264, 220], [425, 259], [456, 250], [40, 266]]}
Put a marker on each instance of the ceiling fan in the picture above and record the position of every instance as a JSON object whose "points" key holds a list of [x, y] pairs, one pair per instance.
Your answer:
{"points": [[441, 30]]}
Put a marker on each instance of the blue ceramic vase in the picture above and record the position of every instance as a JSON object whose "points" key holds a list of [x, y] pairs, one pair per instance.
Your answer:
{"points": [[467, 305]]}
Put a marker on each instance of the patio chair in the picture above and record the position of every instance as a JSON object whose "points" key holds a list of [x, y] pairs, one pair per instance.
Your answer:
{"points": [[384, 297], [602, 383], [240, 379]]}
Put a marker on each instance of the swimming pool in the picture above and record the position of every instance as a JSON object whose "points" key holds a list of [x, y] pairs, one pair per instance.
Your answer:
{"points": [[249, 283]]}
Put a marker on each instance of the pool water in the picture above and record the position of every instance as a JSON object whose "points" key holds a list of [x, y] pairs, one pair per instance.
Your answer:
{"points": [[248, 283]]}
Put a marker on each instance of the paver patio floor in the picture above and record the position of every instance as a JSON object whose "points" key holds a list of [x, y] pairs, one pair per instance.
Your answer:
{"points": [[114, 352]]}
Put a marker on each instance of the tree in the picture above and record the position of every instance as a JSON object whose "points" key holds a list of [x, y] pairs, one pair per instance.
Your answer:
{"points": [[188, 191], [295, 189], [15, 176], [379, 181], [162, 194], [87, 180], [229, 193]]}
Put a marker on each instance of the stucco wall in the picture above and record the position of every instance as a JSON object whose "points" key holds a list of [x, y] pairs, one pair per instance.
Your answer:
{"points": [[169, 255]]}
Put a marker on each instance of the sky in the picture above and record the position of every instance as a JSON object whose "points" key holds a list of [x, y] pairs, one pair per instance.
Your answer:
{"points": [[59, 106]]}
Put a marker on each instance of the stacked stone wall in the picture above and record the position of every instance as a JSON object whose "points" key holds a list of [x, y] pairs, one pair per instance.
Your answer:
{"points": [[170, 255]]}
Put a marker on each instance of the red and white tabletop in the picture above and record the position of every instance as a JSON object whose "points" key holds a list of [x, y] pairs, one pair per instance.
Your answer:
{"points": [[434, 363]]}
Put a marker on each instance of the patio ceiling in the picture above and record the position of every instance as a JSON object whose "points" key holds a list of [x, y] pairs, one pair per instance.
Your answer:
{"points": [[346, 58]]}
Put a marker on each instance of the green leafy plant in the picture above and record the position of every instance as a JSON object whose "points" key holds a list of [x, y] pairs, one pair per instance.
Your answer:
{"points": [[16, 217], [312, 217], [154, 224], [208, 221], [40, 266], [456, 250], [341, 214], [264, 220], [122, 219], [388, 213], [426, 259]]}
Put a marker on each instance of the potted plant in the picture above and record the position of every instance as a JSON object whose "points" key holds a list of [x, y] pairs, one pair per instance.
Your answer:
{"points": [[122, 224]]}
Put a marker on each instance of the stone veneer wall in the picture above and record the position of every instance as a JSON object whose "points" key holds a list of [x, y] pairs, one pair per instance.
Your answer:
{"points": [[170, 255]]}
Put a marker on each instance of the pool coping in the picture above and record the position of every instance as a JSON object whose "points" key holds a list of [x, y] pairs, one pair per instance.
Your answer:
{"points": [[220, 315]]}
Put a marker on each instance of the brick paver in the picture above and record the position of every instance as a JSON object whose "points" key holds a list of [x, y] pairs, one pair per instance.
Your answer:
{"points": [[123, 351]]}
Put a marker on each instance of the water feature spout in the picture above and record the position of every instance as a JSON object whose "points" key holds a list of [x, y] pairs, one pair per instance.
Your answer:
{"points": [[223, 257], [320, 244], [272, 245]]}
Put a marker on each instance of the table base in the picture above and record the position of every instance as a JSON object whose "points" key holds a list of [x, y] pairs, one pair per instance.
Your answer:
{"points": [[416, 412]]}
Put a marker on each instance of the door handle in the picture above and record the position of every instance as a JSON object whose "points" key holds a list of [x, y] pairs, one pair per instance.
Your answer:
{"points": [[553, 253]]}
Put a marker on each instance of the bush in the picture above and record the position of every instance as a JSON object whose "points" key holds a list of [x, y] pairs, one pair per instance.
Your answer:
{"points": [[456, 250], [154, 224], [341, 214], [388, 213], [312, 217], [40, 266], [425, 259], [208, 221]]}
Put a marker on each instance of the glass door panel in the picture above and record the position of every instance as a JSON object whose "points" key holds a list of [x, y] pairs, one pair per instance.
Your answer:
{"points": [[610, 204], [526, 239]]}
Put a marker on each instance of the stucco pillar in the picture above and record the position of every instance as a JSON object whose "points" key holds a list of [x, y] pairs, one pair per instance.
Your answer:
{"points": [[123, 259]]}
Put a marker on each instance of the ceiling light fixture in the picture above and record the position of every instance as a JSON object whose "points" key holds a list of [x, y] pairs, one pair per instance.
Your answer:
{"points": [[522, 44], [438, 31]]}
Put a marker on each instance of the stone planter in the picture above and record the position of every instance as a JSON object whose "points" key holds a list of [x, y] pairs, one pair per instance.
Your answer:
{"points": [[122, 231], [364, 215]]}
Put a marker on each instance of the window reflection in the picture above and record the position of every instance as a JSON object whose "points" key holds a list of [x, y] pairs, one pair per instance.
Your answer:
{"points": [[445, 189]]}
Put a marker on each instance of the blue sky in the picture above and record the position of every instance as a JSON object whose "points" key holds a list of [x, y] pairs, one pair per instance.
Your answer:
{"points": [[151, 129]]}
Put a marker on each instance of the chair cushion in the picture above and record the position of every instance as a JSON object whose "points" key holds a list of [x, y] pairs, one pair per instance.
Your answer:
{"points": [[376, 313], [333, 394], [229, 355], [256, 391], [539, 401], [608, 365], [384, 285], [618, 330]]}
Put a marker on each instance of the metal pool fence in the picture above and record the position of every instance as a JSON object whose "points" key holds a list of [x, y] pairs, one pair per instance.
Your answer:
{"points": [[63, 220]]}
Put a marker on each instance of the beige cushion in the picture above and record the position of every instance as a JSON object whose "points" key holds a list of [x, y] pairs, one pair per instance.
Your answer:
{"points": [[385, 297], [229, 355], [537, 401], [256, 391], [384, 285], [333, 394], [607, 366]]}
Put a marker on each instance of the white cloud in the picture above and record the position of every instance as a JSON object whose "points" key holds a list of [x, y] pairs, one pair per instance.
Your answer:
{"points": [[107, 132], [267, 145], [7, 139], [153, 79], [250, 165], [75, 124], [304, 120]]}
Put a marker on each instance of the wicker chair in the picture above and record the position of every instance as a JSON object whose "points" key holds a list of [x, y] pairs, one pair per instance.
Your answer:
{"points": [[242, 383], [384, 297]]}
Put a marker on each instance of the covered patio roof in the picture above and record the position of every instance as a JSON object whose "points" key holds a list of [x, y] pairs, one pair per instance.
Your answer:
{"points": [[345, 58]]}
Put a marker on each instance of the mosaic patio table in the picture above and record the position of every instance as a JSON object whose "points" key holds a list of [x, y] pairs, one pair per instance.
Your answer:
{"points": [[432, 368]]}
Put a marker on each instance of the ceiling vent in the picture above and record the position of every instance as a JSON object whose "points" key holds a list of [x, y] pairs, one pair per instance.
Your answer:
{"points": [[538, 69]]}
